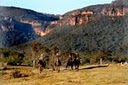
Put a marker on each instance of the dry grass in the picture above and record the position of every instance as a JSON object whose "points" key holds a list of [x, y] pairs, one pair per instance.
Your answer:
{"points": [[111, 75]]}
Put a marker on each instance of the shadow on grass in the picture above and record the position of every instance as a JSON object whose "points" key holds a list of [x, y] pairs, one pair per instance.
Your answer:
{"points": [[94, 66], [6, 68], [11, 67]]}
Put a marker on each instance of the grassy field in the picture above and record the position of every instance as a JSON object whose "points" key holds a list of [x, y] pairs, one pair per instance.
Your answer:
{"points": [[87, 75]]}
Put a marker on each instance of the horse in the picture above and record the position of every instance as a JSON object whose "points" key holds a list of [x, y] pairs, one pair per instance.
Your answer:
{"points": [[70, 62], [76, 62], [41, 65], [57, 64], [73, 60]]}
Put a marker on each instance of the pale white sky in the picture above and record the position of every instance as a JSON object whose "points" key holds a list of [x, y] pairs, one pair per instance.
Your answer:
{"points": [[52, 6]]}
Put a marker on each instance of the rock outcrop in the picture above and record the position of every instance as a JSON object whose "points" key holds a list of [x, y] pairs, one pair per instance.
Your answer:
{"points": [[38, 21], [78, 18], [13, 32], [75, 18], [118, 10], [84, 15]]}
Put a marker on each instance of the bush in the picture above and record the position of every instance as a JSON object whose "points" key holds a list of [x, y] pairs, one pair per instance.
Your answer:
{"points": [[11, 57], [119, 58]]}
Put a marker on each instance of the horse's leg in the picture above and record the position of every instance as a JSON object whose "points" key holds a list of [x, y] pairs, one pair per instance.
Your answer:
{"points": [[76, 66], [58, 68], [71, 66], [41, 69], [53, 67], [67, 65]]}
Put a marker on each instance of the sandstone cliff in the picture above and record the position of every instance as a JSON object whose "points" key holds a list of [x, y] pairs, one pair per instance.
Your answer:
{"points": [[84, 15]]}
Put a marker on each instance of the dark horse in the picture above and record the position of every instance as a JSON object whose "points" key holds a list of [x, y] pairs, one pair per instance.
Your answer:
{"points": [[70, 62], [73, 60], [41, 65], [76, 61]]}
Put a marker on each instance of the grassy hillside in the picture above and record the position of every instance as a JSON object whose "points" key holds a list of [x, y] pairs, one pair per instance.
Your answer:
{"points": [[106, 34]]}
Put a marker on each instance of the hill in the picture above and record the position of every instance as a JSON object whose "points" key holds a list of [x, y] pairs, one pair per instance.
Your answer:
{"points": [[18, 25], [107, 34], [13, 32], [92, 29], [21, 13]]}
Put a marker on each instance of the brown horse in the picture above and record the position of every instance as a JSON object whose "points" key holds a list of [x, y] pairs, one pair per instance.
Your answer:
{"points": [[56, 62]]}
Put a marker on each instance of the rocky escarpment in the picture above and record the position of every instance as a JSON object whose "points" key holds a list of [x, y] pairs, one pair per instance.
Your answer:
{"points": [[117, 8], [19, 25], [105, 34], [38, 21], [40, 27], [74, 18], [13, 32], [84, 15]]}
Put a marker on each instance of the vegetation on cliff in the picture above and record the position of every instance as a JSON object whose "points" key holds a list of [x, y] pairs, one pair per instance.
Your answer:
{"points": [[103, 34]]}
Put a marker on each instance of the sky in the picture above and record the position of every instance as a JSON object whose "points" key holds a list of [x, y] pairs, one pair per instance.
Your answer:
{"points": [[52, 6]]}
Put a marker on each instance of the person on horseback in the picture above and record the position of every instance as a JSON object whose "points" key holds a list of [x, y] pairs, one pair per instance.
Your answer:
{"points": [[57, 62], [41, 63], [69, 62], [73, 60], [76, 61]]}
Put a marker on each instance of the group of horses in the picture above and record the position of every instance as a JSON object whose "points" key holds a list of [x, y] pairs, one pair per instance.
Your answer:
{"points": [[72, 62]]}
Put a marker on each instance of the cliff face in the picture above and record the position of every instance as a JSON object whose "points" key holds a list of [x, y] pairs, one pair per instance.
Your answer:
{"points": [[112, 11], [38, 21], [74, 18], [84, 15], [38, 26], [105, 34], [115, 10], [78, 18], [19, 25], [13, 32]]}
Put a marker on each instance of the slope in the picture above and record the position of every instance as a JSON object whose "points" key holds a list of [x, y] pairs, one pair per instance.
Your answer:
{"points": [[104, 34]]}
